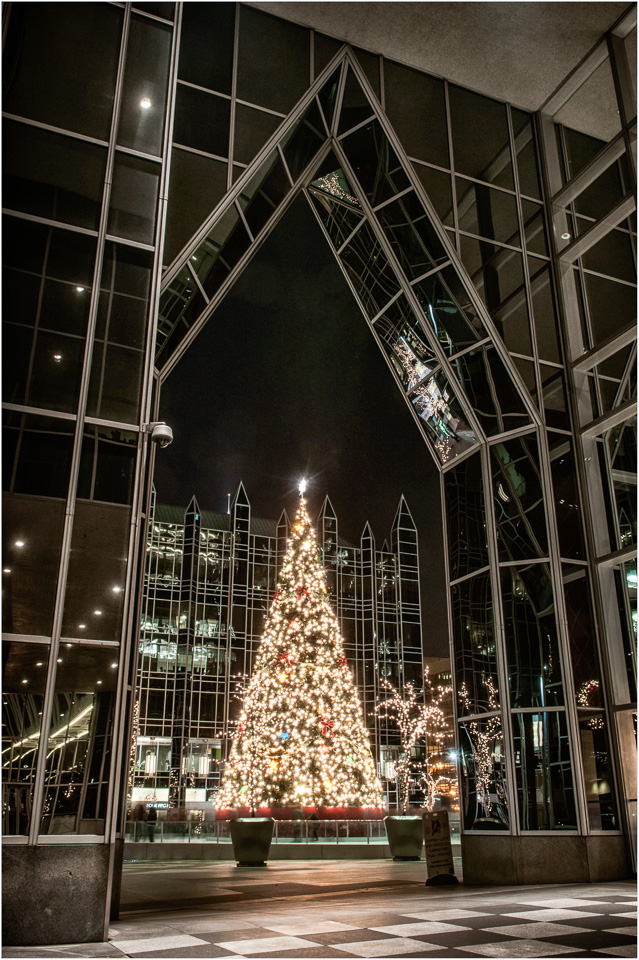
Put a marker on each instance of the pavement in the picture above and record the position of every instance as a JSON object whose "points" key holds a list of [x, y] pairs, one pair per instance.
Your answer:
{"points": [[352, 909]]}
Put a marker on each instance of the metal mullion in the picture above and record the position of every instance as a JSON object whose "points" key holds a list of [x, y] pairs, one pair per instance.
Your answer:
{"points": [[626, 99], [396, 196], [276, 138], [238, 207], [349, 238], [129, 151], [611, 152], [429, 273], [199, 153], [488, 715], [198, 284], [576, 78], [617, 557], [354, 129], [341, 85], [447, 467], [616, 416], [47, 706], [231, 146], [586, 271], [52, 129], [280, 154], [451, 160], [500, 641], [469, 576], [581, 244], [606, 350], [196, 86], [260, 109], [381, 313], [451, 638]]}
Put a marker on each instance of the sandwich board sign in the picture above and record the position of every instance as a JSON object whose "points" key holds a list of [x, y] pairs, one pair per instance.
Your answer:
{"points": [[439, 852]]}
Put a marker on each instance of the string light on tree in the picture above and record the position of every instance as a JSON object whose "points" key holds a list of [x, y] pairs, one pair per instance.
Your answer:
{"points": [[301, 737]]}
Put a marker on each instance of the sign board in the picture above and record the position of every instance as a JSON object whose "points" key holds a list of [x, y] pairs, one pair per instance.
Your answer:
{"points": [[439, 852]]}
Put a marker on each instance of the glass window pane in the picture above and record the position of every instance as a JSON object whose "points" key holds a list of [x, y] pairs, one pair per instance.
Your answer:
{"points": [[338, 217], [480, 137], [437, 186], [595, 752], [567, 508], [324, 49], [518, 499], [486, 212], [197, 184], [107, 464], [412, 236], [56, 372], [375, 163], [534, 227], [474, 644], [601, 196], [443, 418], [449, 310], [555, 404], [180, 306], [483, 775], [97, 571], [60, 178], [491, 391], [534, 667], [225, 245], [165, 10], [583, 653], [143, 104], [496, 272], [612, 307], [527, 164], [32, 540], [403, 339], [62, 61], [303, 142], [23, 681], [613, 256], [44, 447], [465, 518], [80, 740], [134, 199], [262, 195], [416, 108], [369, 270], [544, 772], [273, 68], [202, 121], [252, 130], [369, 62], [355, 107], [206, 45], [543, 306]]}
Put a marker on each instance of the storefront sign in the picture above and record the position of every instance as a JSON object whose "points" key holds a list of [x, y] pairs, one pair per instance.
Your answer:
{"points": [[439, 852]]}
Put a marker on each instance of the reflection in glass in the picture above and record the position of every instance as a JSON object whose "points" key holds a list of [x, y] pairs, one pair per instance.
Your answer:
{"points": [[544, 772], [180, 306], [23, 681], [412, 236], [543, 308], [622, 450], [483, 775], [581, 634], [527, 164], [336, 213], [226, 243], [518, 499], [207, 34], [107, 464], [534, 227], [534, 666], [261, 196], [416, 107], [444, 419], [448, 309], [355, 106], [375, 163], [405, 342], [145, 81], [272, 61], [37, 454], [79, 742], [490, 390], [595, 753], [31, 545], [304, 140], [475, 656], [369, 271], [612, 307], [496, 272], [480, 137], [487, 212], [134, 198], [202, 121], [465, 518], [555, 403]]}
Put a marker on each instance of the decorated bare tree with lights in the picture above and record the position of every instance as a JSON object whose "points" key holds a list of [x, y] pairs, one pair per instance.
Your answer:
{"points": [[422, 728], [301, 739]]}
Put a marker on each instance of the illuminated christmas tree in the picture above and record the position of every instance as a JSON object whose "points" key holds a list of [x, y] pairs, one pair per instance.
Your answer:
{"points": [[301, 739]]}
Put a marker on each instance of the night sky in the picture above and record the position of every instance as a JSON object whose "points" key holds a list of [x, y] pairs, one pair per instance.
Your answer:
{"points": [[287, 381]]}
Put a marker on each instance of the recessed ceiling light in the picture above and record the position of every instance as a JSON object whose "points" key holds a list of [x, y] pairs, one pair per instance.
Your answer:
{"points": [[565, 236], [19, 543], [116, 589], [98, 613], [80, 289], [99, 681], [6, 570], [39, 663], [25, 681], [114, 664], [82, 626], [145, 103], [57, 357]]}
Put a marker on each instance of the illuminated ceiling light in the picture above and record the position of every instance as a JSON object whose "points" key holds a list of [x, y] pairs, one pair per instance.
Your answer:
{"points": [[25, 681], [565, 236], [59, 660], [6, 570], [80, 289], [82, 626], [39, 663], [57, 357], [113, 665], [69, 645], [116, 589], [19, 543], [98, 613], [145, 103], [98, 681]]}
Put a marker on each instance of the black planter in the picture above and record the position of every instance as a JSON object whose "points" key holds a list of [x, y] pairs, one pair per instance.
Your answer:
{"points": [[405, 837], [251, 839]]}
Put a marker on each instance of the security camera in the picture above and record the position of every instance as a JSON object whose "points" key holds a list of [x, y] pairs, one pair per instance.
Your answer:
{"points": [[160, 433]]}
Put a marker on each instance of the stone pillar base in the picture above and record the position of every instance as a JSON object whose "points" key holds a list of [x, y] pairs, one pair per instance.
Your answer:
{"points": [[500, 859], [54, 893]]}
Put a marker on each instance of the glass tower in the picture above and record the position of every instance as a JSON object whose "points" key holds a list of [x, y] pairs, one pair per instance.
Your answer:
{"points": [[149, 149]]}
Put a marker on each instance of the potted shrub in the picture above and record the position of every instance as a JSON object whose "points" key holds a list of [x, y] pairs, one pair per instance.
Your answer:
{"points": [[251, 838]]}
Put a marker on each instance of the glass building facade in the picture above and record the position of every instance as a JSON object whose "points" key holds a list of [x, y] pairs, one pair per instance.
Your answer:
{"points": [[208, 586], [148, 150]]}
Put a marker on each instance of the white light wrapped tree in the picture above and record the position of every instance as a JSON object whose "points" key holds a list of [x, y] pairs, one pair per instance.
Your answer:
{"points": [[301, 738]]}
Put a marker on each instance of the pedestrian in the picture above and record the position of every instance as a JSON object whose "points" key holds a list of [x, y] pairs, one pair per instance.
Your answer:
{"points": [[314, 828], [151, 820], [298, 815]]}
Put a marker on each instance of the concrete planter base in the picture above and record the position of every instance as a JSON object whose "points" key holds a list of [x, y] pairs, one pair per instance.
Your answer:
{"points": [[251, 839], [405, 837]]}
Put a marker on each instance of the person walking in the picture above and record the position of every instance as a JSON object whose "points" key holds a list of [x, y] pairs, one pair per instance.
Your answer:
{"points": [[151, 821]]}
